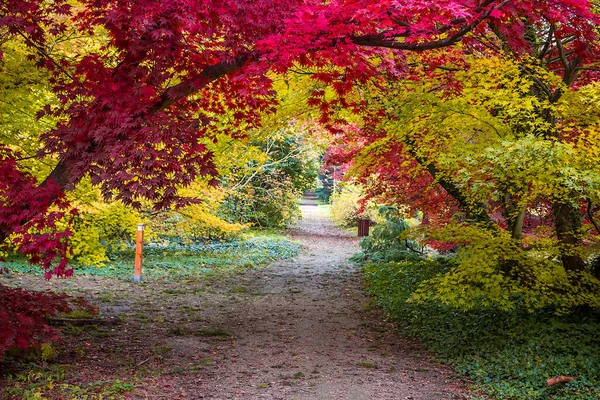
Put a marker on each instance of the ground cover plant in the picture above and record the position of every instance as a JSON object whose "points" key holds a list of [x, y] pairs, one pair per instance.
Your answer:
{"points": [[510, 351], [508, 354], [177, 260]]}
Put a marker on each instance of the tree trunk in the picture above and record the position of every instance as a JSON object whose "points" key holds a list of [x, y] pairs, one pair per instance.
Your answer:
{"points": [[567, 222], [474, 211], [517, 227], [514, 218]]}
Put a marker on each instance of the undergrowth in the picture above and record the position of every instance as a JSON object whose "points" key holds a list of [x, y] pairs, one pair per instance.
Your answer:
{"points": [[508, 354], [39, 383], [171, 259]]}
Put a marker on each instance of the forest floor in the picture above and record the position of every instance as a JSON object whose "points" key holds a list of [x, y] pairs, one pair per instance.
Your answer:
{"points": [[299, 329]]}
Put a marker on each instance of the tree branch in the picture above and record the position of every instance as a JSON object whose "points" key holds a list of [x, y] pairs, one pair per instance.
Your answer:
{"points": [[590, 211], [44, 54], [547, 43], [61, 174], [380, 39], [474, 211]]}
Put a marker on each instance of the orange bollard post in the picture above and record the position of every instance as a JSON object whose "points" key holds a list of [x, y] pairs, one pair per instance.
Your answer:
{"points": [[139, 243]]}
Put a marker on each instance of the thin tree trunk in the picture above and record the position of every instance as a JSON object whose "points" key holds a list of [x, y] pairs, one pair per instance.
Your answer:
{"points": [[514, 218], [567, 222], [517, 228]]}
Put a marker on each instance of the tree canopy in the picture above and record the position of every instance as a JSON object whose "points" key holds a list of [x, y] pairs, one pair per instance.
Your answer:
{"points": [[139, 86]]}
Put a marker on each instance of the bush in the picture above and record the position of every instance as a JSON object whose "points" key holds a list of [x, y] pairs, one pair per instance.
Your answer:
{"points": [[199, 223], [99, 229], [85, 242], [270, 202], [116, 224], [346, 204], [492, 269], [23, 317], [192, 224], [385, 243], [509, 354]]}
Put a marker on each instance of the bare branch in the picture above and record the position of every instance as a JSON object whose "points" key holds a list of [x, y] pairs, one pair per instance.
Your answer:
{"points": [[590, 213], [381, 40], [44, 54], [547, 43]]}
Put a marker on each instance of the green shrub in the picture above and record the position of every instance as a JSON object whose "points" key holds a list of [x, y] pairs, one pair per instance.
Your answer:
{"points": [[385, 242], [199, 222], [85, 242], [509, 354], [270, 202], [116, 224], [493, 269], [99, 229]]}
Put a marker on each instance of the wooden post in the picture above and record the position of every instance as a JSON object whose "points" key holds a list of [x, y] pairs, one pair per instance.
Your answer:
{"points": [[363, 227], [139, 243]]}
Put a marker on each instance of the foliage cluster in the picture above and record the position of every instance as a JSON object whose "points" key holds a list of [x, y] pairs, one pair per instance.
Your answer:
{"points": [[499, 155], [264, 190], [510, 354], [35, 384], [258, 187], [100, 228], [324, 188], [348, 204], [270, 202], [195, 222], [491, 269], [387, 241], [23, 317]]}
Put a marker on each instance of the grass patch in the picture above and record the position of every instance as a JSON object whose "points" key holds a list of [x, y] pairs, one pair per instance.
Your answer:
{"points": [[79, 314], [366, 364], [161, 350], [176, 260], [510, 355], [212, 333]]}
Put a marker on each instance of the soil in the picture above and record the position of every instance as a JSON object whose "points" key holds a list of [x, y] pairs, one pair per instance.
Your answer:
{"points": [[299, 329]]}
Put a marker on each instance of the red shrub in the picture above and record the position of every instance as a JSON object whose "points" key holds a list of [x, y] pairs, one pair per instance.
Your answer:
{"points": [[23, 315]]}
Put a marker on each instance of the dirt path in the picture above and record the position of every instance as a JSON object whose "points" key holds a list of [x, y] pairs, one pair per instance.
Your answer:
{"points": [[300, 329]]}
